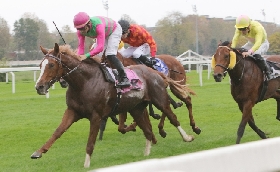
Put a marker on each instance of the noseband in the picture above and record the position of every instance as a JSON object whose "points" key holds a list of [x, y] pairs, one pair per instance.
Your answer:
{"points": [[58, 60]]}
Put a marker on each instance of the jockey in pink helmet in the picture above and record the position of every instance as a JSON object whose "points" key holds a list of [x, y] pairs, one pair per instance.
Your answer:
{"points": [[108, 36]]}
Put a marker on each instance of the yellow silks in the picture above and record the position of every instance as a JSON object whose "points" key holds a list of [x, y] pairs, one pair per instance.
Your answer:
{"points": [[231, 63]]}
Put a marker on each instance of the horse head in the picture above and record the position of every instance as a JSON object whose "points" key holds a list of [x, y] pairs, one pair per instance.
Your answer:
{"points": [[223, 60], [54, 66]]}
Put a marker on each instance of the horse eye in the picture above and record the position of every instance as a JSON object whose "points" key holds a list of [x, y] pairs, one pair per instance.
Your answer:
{"points": [[51, 65]]}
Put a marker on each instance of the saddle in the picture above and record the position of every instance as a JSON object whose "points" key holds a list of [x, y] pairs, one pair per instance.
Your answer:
{"points": [[110, 75]]}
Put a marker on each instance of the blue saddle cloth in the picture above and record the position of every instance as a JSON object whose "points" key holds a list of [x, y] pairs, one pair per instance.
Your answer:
{"points": [[161, 66]]}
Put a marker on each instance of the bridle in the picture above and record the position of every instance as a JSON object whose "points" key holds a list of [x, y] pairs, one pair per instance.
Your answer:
{"points": [[227, 68], [61, 65]]}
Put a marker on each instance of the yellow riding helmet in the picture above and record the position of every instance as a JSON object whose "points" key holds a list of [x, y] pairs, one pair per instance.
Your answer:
{"points": [[242, 21]]}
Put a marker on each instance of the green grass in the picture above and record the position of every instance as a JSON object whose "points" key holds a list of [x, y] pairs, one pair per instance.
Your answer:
{"points": [[28, 120]]}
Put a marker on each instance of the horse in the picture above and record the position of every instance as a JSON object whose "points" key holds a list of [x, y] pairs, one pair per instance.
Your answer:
{"points": [[176, 71], [248, 83], [90, 96]]}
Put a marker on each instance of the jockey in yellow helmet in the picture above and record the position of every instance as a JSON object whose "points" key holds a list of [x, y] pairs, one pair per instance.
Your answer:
{"points": [[257, 44]]}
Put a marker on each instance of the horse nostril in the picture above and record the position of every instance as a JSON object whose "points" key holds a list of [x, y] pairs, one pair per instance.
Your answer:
{"points": [[39, 87], [219, 75]]}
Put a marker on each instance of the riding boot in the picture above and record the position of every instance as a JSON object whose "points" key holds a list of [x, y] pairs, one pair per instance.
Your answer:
{"points": [[263, 65], [123, 81], [145, 60]]}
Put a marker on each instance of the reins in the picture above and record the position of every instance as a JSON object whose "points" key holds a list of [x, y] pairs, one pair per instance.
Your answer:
{"points": [[62, 64]]}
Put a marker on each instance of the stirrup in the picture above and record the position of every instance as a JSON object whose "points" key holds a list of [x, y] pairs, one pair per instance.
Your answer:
{"points": [[124, 83]]}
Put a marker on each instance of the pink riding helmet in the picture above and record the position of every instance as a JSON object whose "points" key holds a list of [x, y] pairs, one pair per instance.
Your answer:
{"points": [[81, 19]]}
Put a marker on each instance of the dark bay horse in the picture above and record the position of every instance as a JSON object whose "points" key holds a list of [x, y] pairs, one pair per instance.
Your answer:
{"points": [[247, 83], [90, 96], [176, 72]]}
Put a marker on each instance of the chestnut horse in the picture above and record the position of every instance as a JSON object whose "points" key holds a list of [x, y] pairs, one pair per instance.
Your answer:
{"points": [[176, 72], [248, 85], [90, 96]]}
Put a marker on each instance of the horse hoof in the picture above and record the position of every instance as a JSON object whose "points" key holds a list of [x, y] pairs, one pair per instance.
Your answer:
{"points": [[36, 155], [162, 134], [156, 116], [188, 138], [179, 104], [197, 130]]}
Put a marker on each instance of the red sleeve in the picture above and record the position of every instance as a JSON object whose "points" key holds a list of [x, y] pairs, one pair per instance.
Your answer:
{"points": [[150, 40]]}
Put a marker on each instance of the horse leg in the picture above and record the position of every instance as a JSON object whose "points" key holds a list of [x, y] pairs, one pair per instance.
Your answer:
{"points": [[122, 119], [115, 119], [188, 102], [152, 113], [122, 127], [252, 124], [175, 104], [68, 119], [160, 126], [278, 109], [164, 106], [144, 123], [246, 114], [94, 126], [102, 127]]}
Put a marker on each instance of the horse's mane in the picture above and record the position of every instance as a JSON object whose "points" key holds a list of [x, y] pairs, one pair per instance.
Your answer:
{"points": [[236, 50], [66, 49], [225, 43]]}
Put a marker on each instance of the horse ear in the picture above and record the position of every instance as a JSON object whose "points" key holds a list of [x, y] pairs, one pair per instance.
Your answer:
{"points": [[45, 51], [56, 49]]}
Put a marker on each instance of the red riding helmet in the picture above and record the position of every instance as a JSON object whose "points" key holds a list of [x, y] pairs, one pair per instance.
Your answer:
{"points": [[81, 19]]}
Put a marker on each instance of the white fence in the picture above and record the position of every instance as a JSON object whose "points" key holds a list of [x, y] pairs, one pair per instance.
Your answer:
{"points": [[192, 58], [11, 70], [257, 156]]}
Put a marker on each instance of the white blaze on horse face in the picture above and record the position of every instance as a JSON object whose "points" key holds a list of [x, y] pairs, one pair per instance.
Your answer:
{"points": [[43, 66]]}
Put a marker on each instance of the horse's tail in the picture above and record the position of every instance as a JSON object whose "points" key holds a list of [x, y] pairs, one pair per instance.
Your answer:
{"points": [[183, 90]]}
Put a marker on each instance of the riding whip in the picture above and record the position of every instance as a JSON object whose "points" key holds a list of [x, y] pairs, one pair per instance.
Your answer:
{"points": [[59, 32]]}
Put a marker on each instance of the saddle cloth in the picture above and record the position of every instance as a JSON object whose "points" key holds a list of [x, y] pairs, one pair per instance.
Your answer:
{"points": [[161, 66], [136, 83], [275, 68]]}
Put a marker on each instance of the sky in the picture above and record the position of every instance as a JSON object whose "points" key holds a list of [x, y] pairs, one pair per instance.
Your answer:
{"points": [[146, 12]]}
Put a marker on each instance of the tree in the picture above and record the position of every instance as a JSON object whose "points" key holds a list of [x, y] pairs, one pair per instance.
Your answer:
{"points": [[274, 41], [5, 38], [26, 37], [213, 46]]}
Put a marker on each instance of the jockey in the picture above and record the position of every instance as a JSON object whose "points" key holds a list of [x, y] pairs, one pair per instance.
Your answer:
{"points": [[108, 36], [257, 44], [141, 43]]}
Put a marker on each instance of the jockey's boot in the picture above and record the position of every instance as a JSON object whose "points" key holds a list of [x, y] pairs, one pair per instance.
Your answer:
{"points": [[145, 60], [123, 81], [263, 65]]}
